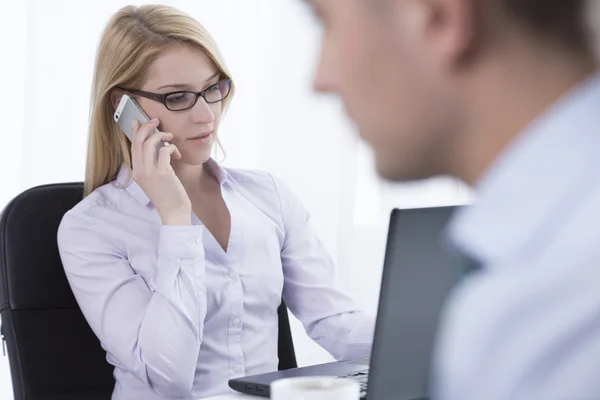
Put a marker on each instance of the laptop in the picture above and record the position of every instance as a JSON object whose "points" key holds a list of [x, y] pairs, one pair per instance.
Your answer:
{"points": [[418, 275]]}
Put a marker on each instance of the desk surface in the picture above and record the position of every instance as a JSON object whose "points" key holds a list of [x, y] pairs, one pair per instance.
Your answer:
{"points": [[233, 396]]}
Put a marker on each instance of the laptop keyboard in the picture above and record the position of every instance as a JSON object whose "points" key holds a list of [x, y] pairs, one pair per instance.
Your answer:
{"points": [[362, 378]]}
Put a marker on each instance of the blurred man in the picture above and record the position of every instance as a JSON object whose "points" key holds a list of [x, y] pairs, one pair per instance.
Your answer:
{"points": [[505, 95]]}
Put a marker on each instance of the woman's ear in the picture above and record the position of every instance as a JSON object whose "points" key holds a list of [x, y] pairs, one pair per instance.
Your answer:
{"points": [[115, 98]]}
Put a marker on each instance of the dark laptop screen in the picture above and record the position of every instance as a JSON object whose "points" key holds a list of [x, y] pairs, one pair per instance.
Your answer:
{"points": [[418, 275]]}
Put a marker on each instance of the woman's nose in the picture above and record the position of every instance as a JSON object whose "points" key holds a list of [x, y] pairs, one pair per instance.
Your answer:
{"points": [[202, 112]]}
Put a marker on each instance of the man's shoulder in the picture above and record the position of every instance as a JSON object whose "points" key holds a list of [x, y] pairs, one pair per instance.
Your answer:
{"points": [[572, 232]]}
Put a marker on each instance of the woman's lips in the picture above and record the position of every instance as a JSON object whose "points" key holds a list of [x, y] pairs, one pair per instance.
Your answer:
{"points": [[205, 137]]}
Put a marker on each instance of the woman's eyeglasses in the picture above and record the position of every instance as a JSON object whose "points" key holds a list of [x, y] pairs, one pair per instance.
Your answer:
{"points": [[186, 99]]}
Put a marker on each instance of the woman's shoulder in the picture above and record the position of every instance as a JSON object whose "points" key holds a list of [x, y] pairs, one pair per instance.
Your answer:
{"points": [[106, 195], [89, 211], [93, 229]]}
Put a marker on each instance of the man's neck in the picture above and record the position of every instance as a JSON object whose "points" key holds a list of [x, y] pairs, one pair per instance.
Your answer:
{"points": [[504, 98]]}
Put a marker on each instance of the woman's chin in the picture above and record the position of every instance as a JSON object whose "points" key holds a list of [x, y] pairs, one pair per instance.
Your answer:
{"points": [[195, 158]]}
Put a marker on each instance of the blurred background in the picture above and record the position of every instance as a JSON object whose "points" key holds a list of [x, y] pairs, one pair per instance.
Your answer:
{"points": [[276, 123]]}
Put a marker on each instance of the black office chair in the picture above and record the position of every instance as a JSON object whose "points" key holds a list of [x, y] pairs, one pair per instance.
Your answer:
{"points": [[53, 353]]}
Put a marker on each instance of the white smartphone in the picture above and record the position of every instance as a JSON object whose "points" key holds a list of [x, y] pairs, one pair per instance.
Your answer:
{"points": [[127, 112]]}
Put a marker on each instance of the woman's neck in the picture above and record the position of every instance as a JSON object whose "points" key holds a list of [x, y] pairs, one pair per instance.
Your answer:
{"points": [[196, 179]]}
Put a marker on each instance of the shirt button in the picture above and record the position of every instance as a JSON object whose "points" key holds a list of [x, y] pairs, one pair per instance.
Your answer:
{"points": [[237, 321], [237, 369], [197, 240], [232, 274]]}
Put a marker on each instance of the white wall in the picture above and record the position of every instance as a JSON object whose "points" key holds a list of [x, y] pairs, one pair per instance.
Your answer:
{"points": [[275, 123]]}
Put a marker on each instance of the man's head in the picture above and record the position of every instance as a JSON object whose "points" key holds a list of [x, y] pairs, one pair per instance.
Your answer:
{"points": [[419, 77]]}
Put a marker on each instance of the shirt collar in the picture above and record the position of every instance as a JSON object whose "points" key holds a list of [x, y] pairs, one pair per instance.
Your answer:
{"points": [[533, 181], [217, 170], [125, 180]]}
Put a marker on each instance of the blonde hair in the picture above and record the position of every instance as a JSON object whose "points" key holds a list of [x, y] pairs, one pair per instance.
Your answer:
{"points": [[132, 40]]}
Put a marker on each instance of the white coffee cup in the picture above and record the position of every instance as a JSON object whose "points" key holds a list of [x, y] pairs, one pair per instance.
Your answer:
{"points": [[315, 388]]}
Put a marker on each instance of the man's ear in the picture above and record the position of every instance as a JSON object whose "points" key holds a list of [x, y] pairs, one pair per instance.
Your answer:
{"points": [[453, 28], [115, 98]]}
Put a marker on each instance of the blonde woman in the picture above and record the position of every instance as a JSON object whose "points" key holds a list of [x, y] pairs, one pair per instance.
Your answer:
{"points": [[178, 264]]}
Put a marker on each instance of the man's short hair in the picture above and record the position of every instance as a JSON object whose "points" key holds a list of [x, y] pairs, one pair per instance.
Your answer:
{"points": [[562, 21]]}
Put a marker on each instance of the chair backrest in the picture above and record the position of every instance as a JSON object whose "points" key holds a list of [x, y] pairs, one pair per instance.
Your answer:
{"points": [[53, 353], [51, 349], [285, 345]]}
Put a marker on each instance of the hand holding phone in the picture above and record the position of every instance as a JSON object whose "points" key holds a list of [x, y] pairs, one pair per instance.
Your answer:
{"points": [[151, 161], [129, 111]]}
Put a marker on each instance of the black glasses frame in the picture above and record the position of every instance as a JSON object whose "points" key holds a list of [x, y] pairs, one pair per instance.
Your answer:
{"points": [[162, 97]]}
